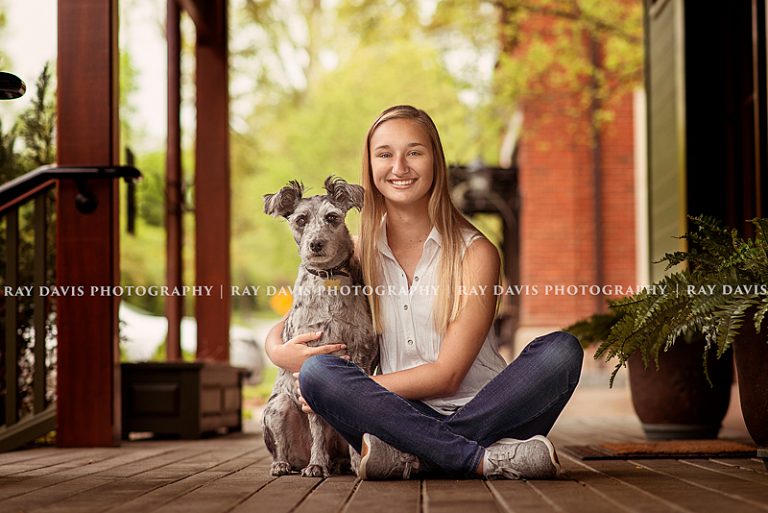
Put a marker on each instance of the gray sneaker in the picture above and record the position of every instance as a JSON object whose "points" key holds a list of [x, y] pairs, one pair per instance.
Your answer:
{"points": [[534, 458], [380, 460]]}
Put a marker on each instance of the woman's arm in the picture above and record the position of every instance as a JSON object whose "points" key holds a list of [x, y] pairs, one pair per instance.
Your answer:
{"points": [[291, 354], [463, 338]]}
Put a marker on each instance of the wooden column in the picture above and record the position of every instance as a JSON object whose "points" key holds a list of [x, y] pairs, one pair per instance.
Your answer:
{"points": [[174, 305], [88, 403], [212, 189]]}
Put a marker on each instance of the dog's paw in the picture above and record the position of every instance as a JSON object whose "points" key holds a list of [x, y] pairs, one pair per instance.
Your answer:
{"points": [[312, 470], [280, 468]]}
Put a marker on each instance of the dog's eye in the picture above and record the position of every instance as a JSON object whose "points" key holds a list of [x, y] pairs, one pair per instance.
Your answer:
{"points": [[301, 221], [332, 218]]}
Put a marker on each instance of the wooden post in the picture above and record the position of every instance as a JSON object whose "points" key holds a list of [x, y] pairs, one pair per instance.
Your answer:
{"points": [[88, 402], [212, 189], [174, 305]]}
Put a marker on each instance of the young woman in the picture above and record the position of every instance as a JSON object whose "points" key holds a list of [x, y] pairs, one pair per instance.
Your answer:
{"points": [[445, 401]]}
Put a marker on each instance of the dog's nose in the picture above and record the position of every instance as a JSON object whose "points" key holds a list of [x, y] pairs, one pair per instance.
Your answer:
{"points": [[316, 246]]}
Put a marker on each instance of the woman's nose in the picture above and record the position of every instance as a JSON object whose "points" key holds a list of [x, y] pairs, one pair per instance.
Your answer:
{"points": [[400, 166]]}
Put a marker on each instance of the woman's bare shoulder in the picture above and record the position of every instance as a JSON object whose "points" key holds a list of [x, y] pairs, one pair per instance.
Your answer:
{"points": [[483, 257], [481, 250]]}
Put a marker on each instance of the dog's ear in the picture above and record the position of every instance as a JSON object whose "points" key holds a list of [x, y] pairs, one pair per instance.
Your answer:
{"points": [[343, 194], [284, 201]]}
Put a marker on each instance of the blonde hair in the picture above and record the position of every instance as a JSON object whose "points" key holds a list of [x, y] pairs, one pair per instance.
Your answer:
{"points": [[442, 214]]}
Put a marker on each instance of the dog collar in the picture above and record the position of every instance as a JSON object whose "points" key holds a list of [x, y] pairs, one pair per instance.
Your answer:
{"points": [[328, 274]]}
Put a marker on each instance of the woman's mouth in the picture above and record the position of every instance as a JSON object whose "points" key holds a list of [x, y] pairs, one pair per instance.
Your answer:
{"points": [[398, 184]]}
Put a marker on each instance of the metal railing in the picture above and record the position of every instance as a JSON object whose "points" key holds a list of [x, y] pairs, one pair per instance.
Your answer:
{"points": [[27, 354]]}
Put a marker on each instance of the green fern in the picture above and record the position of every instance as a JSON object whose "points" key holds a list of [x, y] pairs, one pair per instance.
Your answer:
{"points": [[760, 312], [721, 287]]}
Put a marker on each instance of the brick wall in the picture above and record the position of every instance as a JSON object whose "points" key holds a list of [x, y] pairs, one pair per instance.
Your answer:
{"points": [[557, 205]]}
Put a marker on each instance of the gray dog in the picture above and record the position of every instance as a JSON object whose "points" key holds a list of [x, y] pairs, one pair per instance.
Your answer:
{"points": [[295, 440]]}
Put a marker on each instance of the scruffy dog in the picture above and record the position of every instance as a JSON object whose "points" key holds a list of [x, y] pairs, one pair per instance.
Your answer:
{"points": [[296, 440]]}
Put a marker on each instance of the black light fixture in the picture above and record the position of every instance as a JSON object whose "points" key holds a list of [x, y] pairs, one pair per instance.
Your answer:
{"points": [[11, 86]]}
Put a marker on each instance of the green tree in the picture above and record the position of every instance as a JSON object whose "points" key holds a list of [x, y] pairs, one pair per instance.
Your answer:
{"points": [[38, 122], [129, 76], [34, 128], [5, 62], [284, 53], [590, 48], [10, 163]]}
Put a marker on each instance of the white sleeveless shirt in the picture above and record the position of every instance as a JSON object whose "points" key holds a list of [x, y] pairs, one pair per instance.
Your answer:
{"points": [[409, 338]]}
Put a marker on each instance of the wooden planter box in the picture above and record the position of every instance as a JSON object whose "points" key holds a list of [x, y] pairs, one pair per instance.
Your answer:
{"points": [[187, 399]]}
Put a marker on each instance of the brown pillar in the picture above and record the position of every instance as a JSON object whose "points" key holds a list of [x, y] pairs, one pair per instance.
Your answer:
{"points": [[174, 305], [212, 190], [88, 404]]}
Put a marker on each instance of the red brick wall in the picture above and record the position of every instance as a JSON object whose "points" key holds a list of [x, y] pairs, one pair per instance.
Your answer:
{"points": [[618, 194], [557, 205]]}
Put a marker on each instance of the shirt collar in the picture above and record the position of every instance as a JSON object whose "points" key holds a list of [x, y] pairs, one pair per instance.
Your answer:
{"points": [[381, 243], [434, 236]]}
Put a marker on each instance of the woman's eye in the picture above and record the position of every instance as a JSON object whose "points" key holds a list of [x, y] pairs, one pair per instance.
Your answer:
{"points": [[414, 153], [384, 155]]}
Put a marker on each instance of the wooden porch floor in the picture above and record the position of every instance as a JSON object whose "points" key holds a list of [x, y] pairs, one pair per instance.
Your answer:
{"points": [[230, 474]]}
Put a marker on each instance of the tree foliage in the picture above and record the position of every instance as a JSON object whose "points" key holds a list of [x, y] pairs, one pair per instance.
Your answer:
{"points": [[4, 60], [30, 142], [556, 53], [38, 123], [546, 45]]}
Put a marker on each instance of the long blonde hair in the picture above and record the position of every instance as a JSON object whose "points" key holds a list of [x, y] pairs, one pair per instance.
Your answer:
{"points": [[442, 214]]}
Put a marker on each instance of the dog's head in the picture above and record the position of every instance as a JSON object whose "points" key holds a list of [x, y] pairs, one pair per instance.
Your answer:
{"points": [[317, 222]]}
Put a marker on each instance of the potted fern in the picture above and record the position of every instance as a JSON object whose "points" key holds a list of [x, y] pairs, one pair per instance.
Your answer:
{"points": [[676, 400], [722, 294]]}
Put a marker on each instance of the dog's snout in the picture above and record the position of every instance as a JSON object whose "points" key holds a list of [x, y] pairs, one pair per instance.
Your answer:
{"points": [[316, 246]]}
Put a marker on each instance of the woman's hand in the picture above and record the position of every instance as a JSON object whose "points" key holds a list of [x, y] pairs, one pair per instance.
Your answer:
{"points": [[302, 402], [291, 354]]}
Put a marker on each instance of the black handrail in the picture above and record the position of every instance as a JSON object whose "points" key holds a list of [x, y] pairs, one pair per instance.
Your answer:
{"points": [[33, 187], [13, 191]]}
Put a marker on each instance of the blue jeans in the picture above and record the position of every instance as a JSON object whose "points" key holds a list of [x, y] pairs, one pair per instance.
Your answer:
{"points": [[524, 400]]}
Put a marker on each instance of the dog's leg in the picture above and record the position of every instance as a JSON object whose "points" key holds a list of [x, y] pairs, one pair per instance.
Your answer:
{"points": [[283, 424], [354, 460], [319, 459], [338, 448]]}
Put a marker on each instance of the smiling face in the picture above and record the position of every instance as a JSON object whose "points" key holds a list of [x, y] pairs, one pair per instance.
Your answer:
{"points": [[402, 163]]}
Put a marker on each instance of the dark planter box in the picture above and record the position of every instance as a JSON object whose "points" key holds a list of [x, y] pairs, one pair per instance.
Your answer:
{"points": [[187, 399]]}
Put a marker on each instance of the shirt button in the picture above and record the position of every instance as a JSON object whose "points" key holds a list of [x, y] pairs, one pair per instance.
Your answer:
{"points": [[405, 307], [415, 278], [410, 342]]}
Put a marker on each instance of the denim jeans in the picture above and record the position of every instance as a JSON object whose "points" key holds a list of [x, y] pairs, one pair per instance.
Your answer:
{"points": [[524, 400]]}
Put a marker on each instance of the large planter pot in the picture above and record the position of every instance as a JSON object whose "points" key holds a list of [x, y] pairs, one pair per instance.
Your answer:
{"points": [[751, 351], [186, 399], [677, 402]]}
